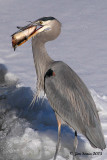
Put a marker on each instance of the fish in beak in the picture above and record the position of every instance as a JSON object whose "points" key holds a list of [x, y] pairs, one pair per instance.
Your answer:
{"points": [[24, 34]]}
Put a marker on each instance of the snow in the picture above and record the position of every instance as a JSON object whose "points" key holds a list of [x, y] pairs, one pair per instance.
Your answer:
{"points": [[30, 133]]}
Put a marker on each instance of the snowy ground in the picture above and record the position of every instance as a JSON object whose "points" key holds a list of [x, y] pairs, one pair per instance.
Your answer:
{"points": [[31, 133]]}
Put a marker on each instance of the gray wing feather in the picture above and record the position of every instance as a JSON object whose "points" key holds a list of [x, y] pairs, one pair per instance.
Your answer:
{"points": [[71, 100]]}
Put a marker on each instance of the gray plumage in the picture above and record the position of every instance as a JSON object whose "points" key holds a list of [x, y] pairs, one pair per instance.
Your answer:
{"points": [[71, 100], [66, 92]]}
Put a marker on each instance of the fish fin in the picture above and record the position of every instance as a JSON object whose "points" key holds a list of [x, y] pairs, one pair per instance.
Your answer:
{"points": [[18, 27]]}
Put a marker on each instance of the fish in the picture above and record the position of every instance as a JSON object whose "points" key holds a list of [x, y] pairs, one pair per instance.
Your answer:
{"points": [[22, 35]]}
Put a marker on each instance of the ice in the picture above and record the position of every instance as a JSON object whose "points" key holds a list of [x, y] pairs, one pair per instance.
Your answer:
{"points": [[30, 132]]}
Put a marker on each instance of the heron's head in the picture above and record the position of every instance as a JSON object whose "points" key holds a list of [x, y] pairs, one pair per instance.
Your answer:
{"points": [[48, 28], [45, 29]]}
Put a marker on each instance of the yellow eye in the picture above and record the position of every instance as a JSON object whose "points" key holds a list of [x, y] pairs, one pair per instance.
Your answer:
{"points": [[40, 22]]}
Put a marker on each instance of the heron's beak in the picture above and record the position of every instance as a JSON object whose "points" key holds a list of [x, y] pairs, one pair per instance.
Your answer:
{"points": [[24, 34]]}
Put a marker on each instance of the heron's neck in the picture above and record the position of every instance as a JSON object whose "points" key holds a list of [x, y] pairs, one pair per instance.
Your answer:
{"points": [[42, 61]]}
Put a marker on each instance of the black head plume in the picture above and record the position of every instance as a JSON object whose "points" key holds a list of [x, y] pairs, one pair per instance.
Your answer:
{"points": [[46, 18]]}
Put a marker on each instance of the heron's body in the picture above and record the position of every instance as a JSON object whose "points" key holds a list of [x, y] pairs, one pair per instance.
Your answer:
{"points": [[71, 100], [66, 92], [68, 95]]}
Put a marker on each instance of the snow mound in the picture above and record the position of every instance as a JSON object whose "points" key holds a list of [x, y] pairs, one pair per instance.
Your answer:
{"points": [[30, 132], [3, 71], [11, 79]]}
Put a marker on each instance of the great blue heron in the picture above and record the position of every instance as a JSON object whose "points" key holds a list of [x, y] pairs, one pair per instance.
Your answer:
{"points": [[66, 92]]}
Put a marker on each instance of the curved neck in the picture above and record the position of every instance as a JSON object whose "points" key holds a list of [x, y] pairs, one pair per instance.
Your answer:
{"points": [[42, 61]]}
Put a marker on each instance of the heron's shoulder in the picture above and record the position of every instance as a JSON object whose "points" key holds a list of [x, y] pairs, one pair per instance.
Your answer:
{"points": [[60, 66], [59, 63], [64, 71]]}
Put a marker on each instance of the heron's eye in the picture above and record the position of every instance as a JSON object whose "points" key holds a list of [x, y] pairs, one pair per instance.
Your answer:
{"points": [[40, 22]]}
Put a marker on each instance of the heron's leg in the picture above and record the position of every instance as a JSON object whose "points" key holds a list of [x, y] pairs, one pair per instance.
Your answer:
{"points": [[59, 136], [75, 144]]}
